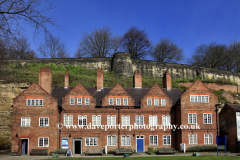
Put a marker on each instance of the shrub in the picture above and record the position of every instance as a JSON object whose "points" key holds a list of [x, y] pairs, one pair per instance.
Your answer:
{"points": [[202, 149], [61, 151], [5, 143], [153, 151]]}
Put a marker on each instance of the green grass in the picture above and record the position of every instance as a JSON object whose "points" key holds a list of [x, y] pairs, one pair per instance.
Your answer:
{"points": [[160, 158]]}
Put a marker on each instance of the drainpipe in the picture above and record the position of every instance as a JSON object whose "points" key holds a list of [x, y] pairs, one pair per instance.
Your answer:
{"points": [[217, 117], [118, 127]]}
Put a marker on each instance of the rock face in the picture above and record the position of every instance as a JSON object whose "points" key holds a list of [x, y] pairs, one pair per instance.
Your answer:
{"points": [[7, 93], [122, 64]]}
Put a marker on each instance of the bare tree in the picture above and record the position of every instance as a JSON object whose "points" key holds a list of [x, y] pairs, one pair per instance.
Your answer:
{"points": [[78, 53], [52, 47], [136, 42], [20, 49], [99, 43], [12, 12], [167, 51], [209, 55], [232, 61]]}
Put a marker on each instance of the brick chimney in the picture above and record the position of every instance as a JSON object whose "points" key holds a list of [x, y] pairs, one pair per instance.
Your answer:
{"points": [[167, 81], [137, 80], [66, 77], [45, 78], [99, 79]]}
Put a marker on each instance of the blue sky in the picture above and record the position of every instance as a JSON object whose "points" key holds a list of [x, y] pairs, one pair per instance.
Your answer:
{"points": [[189, 23]]}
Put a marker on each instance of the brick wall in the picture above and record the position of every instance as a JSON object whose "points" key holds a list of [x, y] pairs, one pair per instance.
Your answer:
{"points": [[227, 123], [49, 109], [198, 88], [215, 86]]}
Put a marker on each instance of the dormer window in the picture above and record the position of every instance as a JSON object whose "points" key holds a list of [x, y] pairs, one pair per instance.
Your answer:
{"points": [[156, 102], [199, 98], [163, 102], [87, 101], [149, 101], [34, 102], [118, 101], [72, 100], [125, 101], [110, 101], [79, 101]]}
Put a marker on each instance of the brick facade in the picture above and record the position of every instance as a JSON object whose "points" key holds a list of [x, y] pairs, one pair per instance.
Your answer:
{"points": [[228, 125], [76, 108]]}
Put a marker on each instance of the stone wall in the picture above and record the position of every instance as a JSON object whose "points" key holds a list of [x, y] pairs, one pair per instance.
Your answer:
{"points": [[7, 93], [215, 86], [122, 64]]}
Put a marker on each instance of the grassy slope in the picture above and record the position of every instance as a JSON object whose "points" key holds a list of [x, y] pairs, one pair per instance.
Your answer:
{"points": [[29, 73]]}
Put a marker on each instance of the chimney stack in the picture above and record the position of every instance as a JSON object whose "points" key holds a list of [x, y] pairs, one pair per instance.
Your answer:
{"points": [[137, 80], [45, 78], [99, 79], [66, 80], [167, 81]]}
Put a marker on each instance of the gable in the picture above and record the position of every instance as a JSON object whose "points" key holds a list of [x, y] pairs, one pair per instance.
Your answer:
{"points": [[117, 92], [198, 88], [156, 93], [34, 91], [79, 91]]}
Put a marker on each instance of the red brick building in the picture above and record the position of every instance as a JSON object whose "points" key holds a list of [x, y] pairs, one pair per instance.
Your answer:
{"points": [[229, 122], [82, 117]]}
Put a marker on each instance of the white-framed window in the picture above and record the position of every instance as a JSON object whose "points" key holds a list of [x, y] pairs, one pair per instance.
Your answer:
{"points": [[25, 121], [111, 120], [166, 139], [125, 120], [96, 120], [125, 101], [149, 101], [199, 98], [207, 118], [139, 120], [111, 140], [163, 102], [87, 101], [111, 102], [82, 120], [43, 121], [68, 120], [79, 101], [126, 140], [192, 138], [118, 101], [166, 120], [192, 118], [208, 139], [153, 120], [34, 102], [156, 102], [153, 140], [43, 142], [91, 141], [71, 100]]}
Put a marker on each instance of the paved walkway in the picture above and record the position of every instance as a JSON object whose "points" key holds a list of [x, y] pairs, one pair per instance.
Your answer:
{"points": [[27, 157]]}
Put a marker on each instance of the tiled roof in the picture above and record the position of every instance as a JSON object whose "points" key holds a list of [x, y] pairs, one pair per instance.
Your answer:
{"points": [[136, 93], [236, 107]]}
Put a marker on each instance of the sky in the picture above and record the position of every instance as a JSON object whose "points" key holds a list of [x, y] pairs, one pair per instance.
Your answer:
{"points": [[189, 23]]}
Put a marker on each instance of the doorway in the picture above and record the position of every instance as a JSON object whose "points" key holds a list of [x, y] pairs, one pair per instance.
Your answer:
{"points": [[140, 143], [77, 145], [24, 146]]}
